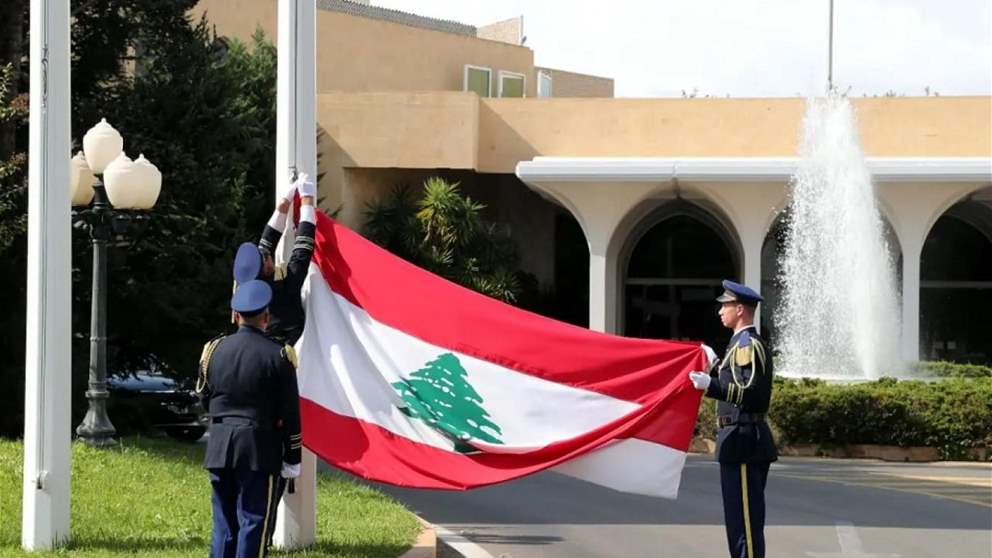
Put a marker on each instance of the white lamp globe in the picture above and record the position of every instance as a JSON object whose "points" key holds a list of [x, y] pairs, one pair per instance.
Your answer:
{"points": [[122, 179], [102, 144], [149, 183], [80, 180]]}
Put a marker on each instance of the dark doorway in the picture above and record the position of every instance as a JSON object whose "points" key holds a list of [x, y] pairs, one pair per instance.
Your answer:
{"points": [[956, 286], [673, 275]]}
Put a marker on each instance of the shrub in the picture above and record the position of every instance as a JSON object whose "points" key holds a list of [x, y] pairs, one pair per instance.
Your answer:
{"points": [[946, 369], [952, 415], [443, 231]]}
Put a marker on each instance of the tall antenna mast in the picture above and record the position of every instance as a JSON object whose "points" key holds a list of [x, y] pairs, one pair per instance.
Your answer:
{"points": [[830, 51]]}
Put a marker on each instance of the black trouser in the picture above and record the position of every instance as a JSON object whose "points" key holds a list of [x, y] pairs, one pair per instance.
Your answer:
{"points": [[241, 502], [743, 487], [277, 497]]}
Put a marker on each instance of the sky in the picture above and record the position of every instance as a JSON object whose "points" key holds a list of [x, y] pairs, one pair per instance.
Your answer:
{"points": [[749, 48]]}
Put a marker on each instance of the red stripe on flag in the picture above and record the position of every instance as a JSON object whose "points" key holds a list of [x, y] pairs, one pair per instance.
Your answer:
{"points": [[403, 296], [372, 452]]}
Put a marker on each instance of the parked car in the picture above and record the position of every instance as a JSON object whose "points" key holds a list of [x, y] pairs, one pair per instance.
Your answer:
{"points": [[151, 400]]}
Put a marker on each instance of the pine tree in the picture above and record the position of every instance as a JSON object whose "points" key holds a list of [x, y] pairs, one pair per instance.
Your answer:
{"points": [[441, 395]]}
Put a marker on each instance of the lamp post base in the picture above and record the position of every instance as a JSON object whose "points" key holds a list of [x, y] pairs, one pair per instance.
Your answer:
{"points": [[96, 429]]}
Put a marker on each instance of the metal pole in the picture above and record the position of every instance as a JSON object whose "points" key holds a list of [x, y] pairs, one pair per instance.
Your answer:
{"points": [[96, 428], [296, 150], [830, 51], [47, 363]]}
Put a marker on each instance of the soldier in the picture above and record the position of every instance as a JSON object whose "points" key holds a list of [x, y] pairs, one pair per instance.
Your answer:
{"points": [[742, 386], [248, 382], [286, 316], [286, 311]]}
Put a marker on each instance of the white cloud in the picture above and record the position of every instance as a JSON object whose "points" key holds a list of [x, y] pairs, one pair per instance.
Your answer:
{"points": [[750, 47]]}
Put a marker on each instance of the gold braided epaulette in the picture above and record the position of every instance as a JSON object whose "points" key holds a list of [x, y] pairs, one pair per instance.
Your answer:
{"points": [[208, 352], [289, 353]]}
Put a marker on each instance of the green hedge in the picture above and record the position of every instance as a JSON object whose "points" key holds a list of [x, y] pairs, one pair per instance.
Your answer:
{"points": [[946, 369], [952, 415]]}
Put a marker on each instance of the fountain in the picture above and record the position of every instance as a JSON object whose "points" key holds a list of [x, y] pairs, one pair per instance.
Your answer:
{"points": [[838, 316]]}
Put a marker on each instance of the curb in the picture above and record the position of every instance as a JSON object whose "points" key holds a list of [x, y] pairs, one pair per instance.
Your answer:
{"points": [[426, 544], [896, 454]]}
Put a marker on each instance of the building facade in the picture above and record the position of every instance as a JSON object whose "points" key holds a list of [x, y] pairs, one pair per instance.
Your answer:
{"points": [[638, 207]]}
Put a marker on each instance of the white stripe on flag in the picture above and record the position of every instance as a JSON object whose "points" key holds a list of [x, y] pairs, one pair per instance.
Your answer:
{"points": [[366, 357], [630, 465]]}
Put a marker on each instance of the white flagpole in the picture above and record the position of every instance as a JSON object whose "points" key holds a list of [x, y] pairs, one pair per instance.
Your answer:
{"points": [[47, 398], [296, 150]]}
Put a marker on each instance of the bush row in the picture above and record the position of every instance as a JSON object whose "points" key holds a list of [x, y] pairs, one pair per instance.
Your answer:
{"points": [[952, 415], [946, 369]]}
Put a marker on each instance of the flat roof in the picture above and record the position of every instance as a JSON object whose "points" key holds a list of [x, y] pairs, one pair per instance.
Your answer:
{"points": [[743, 169]]}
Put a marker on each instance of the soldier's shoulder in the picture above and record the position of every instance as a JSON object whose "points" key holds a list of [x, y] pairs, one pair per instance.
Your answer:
{"points": [[749, 348], [210, 346], [289, 353]]}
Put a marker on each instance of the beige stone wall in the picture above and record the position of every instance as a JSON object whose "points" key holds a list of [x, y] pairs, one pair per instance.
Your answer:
{"points": [[363, 54], [390, 130], [506, 31], [896, 127], [571, 84], [512, 130], [455, 130]]}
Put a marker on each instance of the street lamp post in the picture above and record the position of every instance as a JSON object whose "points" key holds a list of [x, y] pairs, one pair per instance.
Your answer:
{"points": [[129, 185]]}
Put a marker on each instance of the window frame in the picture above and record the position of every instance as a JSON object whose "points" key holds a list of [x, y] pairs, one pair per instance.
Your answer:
{"points": [[523, 83], [465, 72], [541, 74]]}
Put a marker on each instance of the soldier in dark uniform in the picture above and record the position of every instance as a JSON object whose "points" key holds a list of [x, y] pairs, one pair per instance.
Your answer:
{"points": [[248, 383], [286, 315], [742, 386]]}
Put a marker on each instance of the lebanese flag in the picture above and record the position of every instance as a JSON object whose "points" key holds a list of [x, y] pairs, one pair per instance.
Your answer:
{"points": [[408, 379]]}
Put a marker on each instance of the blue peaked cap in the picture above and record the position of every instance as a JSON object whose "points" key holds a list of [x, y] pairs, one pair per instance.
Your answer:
{"points": [[251, 297], [736, 292], [247, 263]]}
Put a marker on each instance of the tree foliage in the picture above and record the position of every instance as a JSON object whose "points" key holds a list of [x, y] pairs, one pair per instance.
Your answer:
{"points": [[203, 110], [444, 232]]}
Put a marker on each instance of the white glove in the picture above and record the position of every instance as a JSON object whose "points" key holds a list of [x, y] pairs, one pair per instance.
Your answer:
{"points": [[710, 356], [290, 471], [306, 186], [289, 193], [700, 380]]}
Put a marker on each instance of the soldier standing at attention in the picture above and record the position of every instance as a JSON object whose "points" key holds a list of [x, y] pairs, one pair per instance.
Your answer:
{"points": [[248, 382], [745, 449]]}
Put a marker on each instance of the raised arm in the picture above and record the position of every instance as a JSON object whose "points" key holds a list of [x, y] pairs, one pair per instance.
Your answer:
{"points": [[277, 222], [299, 261]]}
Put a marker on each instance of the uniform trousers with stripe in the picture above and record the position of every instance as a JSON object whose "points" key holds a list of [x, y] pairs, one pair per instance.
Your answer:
{"points": [[242, 501], [274, 508], [743, 487]]}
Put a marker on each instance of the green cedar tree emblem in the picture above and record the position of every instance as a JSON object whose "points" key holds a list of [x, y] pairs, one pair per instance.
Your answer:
{"points": [[440, 395]]}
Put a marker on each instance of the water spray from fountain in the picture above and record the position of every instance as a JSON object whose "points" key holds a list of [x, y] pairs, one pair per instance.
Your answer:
{"points": [[839, 314]]}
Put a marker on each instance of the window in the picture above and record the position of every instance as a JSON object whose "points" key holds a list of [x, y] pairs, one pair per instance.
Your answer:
{"points": [[478, 79], [543, 84], [511, 84]]}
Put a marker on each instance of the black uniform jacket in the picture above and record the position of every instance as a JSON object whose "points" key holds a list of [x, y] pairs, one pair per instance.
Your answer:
{"points": [[286, 315], [742, 386], [248, 384]]}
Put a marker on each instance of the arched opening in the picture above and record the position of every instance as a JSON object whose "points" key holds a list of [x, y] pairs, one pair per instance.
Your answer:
{"points": [[673, 266], [956, 284]]}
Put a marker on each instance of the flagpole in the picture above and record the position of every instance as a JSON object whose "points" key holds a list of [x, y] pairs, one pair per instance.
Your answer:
{"points": [[296, 152], [47, 366]]}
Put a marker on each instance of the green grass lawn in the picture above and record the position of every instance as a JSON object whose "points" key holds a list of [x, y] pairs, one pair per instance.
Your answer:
{"points": [[149, 497]]}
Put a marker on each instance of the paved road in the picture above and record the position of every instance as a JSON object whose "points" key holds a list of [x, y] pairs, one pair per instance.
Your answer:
{"points": [[817, 508]]}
